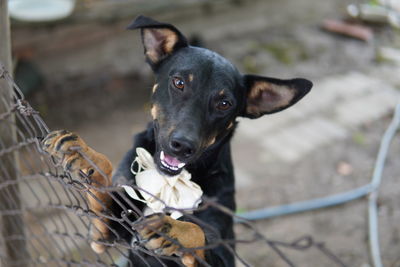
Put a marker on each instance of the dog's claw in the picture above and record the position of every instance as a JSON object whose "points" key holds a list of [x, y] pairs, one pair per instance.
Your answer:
{"points": [[158, 251]]}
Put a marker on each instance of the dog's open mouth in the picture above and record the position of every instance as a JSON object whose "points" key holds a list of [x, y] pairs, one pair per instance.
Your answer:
{"points": [[169, 164]]}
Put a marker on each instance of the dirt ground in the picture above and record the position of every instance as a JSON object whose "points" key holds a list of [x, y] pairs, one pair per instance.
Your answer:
{"points": [[105, 110]]}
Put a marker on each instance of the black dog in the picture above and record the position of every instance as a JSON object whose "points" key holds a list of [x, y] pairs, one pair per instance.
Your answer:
{"points": [[196, 98]]}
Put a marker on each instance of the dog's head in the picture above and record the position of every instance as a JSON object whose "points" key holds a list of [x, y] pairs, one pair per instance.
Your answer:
{"points": [[198, 94]]}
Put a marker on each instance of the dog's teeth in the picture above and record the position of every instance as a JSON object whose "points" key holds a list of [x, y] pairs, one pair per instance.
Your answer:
{"points": [[164, 164], [168, 166], [181, 165]]}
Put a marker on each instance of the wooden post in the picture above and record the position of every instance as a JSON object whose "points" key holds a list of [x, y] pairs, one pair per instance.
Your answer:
{"points": [[13, 250], [5, 40]]}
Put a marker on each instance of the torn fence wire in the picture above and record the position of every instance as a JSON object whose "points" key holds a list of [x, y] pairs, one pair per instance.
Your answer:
{"points": [[56, 216]]}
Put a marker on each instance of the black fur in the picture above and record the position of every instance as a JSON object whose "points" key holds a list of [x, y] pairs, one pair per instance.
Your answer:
{"points": [[196, 118]]}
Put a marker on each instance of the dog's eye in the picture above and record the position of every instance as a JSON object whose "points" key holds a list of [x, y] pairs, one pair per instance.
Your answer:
{"points": [[178, 83], [224, 105]]}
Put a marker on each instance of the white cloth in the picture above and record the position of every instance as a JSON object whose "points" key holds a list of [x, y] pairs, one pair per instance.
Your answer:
{"points": [[173, 191]]}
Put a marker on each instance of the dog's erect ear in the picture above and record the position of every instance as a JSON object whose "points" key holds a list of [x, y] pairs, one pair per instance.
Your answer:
{"points": [[159, 39], [269, 95]]}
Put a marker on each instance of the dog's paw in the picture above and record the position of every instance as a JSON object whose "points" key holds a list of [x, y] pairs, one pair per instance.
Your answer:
{"points": [[64, 146], [166, 236], [69, 149]]}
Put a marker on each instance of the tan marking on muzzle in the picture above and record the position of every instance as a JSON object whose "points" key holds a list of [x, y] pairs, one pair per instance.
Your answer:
{"points": [[154, 112], [211, 141], [154, 88], [230, 126]]}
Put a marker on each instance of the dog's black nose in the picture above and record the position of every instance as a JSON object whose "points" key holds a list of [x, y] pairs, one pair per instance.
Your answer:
{"points": [[181, 146]]}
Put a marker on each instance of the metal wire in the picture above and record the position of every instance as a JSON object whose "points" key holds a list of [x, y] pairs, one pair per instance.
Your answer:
{"points": [[57, 217]]}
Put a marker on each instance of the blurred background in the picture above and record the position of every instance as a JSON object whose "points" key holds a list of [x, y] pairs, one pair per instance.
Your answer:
{"points": [[84, 72]]}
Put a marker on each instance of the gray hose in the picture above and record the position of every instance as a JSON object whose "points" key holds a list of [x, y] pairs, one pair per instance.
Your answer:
{"points": [[376, 181], [307, 205]]}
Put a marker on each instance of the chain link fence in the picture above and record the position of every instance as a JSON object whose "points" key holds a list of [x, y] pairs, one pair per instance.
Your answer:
{"points": [[46, 219]]}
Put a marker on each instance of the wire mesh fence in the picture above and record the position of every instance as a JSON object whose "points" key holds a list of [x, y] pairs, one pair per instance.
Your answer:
{"points": [[47, 220]]}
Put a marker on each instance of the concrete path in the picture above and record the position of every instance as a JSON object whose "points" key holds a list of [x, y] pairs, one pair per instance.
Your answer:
{"points": [[336, 107]]}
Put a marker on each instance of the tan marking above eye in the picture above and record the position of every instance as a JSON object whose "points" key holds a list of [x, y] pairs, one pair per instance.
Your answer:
{"points": [[221, 93], [191, 77], [154, 88], [230, 126]]}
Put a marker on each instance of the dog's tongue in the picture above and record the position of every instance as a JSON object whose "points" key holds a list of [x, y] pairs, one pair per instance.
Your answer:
{"points": [[171, 160]]}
